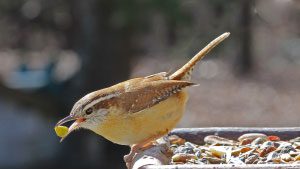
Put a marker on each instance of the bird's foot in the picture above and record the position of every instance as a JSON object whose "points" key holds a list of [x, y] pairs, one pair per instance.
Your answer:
{"points": [[129, 157], [136, 148], [144, 145]]}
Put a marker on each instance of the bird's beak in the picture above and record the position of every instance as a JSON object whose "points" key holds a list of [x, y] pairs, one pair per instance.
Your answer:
{"points": [[66, 119], [73, 126]]}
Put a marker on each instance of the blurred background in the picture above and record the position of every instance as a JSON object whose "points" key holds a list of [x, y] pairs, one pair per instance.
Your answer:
{"points": [[54, 52]]}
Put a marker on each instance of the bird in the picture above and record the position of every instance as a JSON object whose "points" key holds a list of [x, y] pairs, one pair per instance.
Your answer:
{"points": [[140, 110]]}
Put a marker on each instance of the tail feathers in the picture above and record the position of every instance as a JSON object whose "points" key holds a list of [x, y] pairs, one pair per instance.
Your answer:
{"points": [[184, 73]]}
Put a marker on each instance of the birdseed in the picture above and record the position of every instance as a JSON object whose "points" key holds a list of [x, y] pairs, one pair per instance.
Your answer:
{"points": [[251, 148]]}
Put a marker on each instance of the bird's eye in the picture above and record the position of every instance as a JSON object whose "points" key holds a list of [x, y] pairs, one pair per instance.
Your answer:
{"points": [[88, 111]]}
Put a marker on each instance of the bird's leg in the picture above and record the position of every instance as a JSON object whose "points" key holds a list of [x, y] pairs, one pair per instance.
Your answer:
{"points": [[146, 144], [133, 149], [129, 157]]}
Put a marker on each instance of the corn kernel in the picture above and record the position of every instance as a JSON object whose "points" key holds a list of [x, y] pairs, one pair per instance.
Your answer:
{"points": [[61, 131]]}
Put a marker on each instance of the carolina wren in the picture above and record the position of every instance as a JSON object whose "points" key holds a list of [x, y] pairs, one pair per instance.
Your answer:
{"points": [[139, 110]]}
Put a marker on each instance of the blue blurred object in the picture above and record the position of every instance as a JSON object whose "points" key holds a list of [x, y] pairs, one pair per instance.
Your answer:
{"points": [[28, 79]]}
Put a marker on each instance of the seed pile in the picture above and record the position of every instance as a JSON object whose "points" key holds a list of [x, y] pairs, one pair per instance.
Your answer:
{"points": [[252, 148]]}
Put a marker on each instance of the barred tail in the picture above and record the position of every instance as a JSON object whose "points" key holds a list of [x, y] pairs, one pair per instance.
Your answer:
{"points": [[184, 73]]}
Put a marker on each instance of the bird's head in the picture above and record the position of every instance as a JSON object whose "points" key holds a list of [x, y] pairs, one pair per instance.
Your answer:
{"points": [[88, 112]]}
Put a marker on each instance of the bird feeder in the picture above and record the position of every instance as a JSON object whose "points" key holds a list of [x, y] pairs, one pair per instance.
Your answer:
{"points": [[159, 156]]}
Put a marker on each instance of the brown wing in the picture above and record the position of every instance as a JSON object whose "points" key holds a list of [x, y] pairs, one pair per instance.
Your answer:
{"points": [[139, 93], [149, 93]]}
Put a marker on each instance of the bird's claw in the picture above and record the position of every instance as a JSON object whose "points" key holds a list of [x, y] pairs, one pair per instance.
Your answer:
{"points": [[129, 158]]}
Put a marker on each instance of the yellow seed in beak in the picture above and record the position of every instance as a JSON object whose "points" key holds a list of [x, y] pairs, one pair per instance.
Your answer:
{"points": [[61, 131]]}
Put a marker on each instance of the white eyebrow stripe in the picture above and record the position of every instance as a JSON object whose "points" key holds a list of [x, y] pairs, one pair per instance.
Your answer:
{"points": [[101, 99]]}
